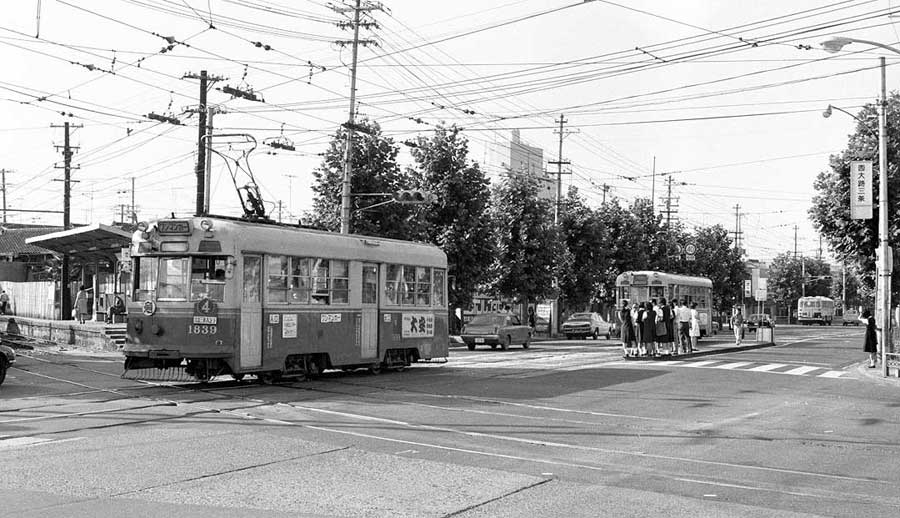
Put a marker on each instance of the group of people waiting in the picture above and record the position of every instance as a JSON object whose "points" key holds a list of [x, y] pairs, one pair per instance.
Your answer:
{"points": [[655, 329]]}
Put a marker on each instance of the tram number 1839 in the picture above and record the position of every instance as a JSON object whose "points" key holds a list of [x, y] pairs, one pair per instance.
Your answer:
{"points": [[200, 329]]}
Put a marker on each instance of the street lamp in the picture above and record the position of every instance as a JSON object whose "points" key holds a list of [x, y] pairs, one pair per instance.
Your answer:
{"points": [[884, 262]]}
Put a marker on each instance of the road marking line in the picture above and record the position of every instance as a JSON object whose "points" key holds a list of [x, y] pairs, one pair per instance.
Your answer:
{"points": [[26, 442], [832, 374], [734, 365], [669, 362], [768, 367], [800, 371], [701, 364]]}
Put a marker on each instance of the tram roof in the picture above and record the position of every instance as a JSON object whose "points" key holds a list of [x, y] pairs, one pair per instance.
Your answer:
{"points": [[276, 238], [668, 277]]}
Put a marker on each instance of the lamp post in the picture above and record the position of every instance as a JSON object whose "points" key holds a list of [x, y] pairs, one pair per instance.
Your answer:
{"points": [[884, 262]]}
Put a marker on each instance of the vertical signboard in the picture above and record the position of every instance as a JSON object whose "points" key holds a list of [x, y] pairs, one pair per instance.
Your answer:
{"points": [[861, 189]]}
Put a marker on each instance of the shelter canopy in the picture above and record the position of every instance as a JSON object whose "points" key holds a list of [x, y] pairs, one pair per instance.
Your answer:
{"points": [[93, 243]]}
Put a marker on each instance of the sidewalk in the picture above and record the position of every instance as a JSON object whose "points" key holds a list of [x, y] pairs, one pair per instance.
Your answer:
{"points": [[863, 370]]}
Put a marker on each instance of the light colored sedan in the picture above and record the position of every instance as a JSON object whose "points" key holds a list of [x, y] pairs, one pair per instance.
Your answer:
{"points": [[582, 325], [496, 329]]}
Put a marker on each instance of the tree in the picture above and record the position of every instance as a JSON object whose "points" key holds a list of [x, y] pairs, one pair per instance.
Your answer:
{"points": [[716, 259], [375, 172], [792, 277], [458, 221], [854, 241], [528, 243], [587, 245]]}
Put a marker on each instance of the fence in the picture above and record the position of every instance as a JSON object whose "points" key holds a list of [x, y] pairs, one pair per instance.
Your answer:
{"points": [[32, 299]]}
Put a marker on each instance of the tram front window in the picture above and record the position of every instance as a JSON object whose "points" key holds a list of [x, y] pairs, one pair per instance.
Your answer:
{"points": [[180, 279], [208, 278]]}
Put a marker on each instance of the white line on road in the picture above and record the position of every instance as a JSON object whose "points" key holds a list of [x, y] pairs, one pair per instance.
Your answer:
{"points": [[800, 371], [701, 364], [768, 367], [833, 374], [734, 365]]}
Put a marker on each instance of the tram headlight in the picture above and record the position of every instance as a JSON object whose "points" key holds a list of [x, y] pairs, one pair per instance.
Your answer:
{"points": [[206, 225]]}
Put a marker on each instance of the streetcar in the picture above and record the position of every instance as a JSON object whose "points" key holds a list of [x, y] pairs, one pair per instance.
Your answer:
{"points": [[215, 296], [815, 310], [644, 286]]}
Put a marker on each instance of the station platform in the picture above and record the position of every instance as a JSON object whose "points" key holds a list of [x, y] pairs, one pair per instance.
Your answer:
{"points": [[66, 334]]}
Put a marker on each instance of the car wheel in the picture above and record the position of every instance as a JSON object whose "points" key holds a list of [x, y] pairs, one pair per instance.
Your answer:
{"points": [[3, 367], [504, 342], [608, 335], [527, 343], [596, 334], [493, 346], [568, 337], [471, 347]]}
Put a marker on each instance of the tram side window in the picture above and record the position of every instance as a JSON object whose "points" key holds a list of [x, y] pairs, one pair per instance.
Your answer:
{"points": [[423, 286], [392, 284], [340, 282], [439, 299], [208, 278], [408, 286], [277, 285], [370, 284], [144, 278], [320, 281], [300, 282], [173, 272]]}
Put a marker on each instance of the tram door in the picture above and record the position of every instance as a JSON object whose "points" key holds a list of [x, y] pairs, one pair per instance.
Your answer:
{"points": [[251, 313], [369, 329]]}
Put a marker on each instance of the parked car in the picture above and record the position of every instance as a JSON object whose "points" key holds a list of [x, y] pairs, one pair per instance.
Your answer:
{"points": [[7, 358], [583, 325], [851, 317], [759, 320], [496, 329]]}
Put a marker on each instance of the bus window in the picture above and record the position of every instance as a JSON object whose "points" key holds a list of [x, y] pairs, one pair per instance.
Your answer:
{"points": [[144, 278], [657, 292], [276, 286], [173, 279]]}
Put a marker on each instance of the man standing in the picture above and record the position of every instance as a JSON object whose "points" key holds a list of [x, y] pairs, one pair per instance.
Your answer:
{"points": [[684, 326], [737, 325], [4, 302]]}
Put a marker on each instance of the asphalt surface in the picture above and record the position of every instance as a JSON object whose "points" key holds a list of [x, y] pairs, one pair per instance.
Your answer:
{"points": [[566, 428]]}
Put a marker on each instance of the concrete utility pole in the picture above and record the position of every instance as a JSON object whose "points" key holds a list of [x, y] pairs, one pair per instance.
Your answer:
{"points": [[351, 119], [653, 189], [605, 190], [671, 207], [3, 173], [738, 234], [559, 163], [65, 299], [795, 241]]}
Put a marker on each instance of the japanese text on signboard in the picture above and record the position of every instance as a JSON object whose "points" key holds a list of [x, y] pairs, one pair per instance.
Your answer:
{"points": [[861, 189]]}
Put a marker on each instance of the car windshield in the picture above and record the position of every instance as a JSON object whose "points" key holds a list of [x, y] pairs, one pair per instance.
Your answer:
{"points": [[580, 316], [488, 320]]}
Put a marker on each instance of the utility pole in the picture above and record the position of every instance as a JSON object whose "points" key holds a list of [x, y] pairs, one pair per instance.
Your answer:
{"points": [[559, 163], [820, 247], [605, 189], [202, 153], [279, 211], [351, 119], [738, 234], [3, 173], [653, 189], [795, 241], [671, 207], [290, 178], [65, 299], [133, 213]]}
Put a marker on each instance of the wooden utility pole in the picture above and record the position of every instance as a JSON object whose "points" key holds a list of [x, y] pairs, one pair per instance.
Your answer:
{"points": [[738, 234], [201, 206], [65, 299], [3, 173]]}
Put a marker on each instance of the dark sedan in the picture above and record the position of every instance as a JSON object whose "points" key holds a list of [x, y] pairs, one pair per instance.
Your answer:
{"points": [[7, 358], [495, 329]]}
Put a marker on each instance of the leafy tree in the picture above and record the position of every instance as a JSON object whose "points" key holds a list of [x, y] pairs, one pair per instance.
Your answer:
{"points": [[587, 245], [854, 241], [792, 277], [528, 243], [716, 259], [375, 170], [458, 220]]}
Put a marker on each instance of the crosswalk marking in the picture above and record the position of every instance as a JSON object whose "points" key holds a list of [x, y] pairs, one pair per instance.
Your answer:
{"points": [[701, 364], [734, 365], [769, 367], [833, 374], [800, 371]]}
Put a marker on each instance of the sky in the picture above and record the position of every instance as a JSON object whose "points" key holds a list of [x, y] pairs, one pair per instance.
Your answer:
{"points": [[724, 98]]}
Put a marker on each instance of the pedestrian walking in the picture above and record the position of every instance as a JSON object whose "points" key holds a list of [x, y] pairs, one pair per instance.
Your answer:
{"points": [[737, 325], [4, 302], [532, 319], [626, 326], [637, 313], [81, 304], [695, 327], [684, 326], [663, 326], [870, 345]]}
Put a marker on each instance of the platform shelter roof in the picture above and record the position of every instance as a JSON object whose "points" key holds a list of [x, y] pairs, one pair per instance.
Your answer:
{"points": [[96, 242]]}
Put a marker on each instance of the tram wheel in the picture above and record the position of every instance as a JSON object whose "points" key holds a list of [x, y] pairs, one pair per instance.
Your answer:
{"points": [[237, 377], [375, 369], [268, 377]]}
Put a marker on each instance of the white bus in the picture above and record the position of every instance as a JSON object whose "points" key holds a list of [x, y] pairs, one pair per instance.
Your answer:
{"points": [[815, 310], [643, 286]]}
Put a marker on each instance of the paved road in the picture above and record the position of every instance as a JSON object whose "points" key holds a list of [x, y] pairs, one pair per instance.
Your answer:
{"points": [[563, 429]]}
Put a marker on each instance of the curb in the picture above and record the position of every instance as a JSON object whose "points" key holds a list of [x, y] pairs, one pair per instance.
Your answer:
{"points": [[862, 368], [710, 352]]}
